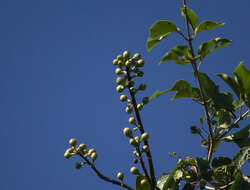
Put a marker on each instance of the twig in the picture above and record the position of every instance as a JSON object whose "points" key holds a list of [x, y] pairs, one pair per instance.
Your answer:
{"points": [[99, 174], [193, 62]]}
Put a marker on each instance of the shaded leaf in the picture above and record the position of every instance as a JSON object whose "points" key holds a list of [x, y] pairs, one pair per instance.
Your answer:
{"points": [[152, 43], [178, 54], [207, 25], [212, 45], [192, 17], [220, 161], [240, 184], [241, 157], [140, 186], [204, 169], [162, 28]]}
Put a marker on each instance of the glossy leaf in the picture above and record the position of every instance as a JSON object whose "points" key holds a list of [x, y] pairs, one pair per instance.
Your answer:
{"points": [[178, 54], [140, 186], [220, 161], [243, 75], [212, 45], [162, 28], [152, 43], [231, 82], [192, 17], [207, 25]]}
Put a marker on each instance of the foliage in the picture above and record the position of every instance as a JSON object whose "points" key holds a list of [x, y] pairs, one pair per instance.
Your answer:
{"points": [[221, 114]]}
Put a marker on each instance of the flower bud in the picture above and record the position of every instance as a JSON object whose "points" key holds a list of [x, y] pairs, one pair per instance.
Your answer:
{"points": [[120, 63], [72, 142], [139, 106], [120, 80], [144, 182], [194, 130], [81, 147], [126, 55], [135, 160], [145, 100], [133, 142], [120, 57], [123, 98], [142, 86], [115, 62], [140, 74], [135, 69], [134, 170], [91, 151], [145, 148], [132, 120], [128, 132], [140, 63], [120, 176], [118, 71], [129, 109], [128, 63], [137, 56], [94, 156], [67, 154], [78, 165], [119, 88], [144, 136], [133, 90]]}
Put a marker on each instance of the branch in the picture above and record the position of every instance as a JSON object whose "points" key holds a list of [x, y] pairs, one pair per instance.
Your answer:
{"points": [[99, 174], [193, 62]]}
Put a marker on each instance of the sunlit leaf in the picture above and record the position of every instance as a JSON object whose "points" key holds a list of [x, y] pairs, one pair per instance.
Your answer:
{"points": [[162, 181], [192, 17], [162, 28], [152, 43], [212, 45], [207, 25]]}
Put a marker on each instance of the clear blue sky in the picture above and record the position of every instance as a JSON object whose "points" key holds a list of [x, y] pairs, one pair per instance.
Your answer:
{"points": [[57, 81]]}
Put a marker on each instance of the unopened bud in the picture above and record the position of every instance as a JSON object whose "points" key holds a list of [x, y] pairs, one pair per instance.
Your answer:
{"points": [[120, 176], [128, 132], [144, 137], [72, 142], [134, 170]]}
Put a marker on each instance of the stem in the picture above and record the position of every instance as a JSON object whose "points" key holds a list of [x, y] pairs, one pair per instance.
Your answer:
{"points": [[148, 153], [99, 174], [193, 62]]}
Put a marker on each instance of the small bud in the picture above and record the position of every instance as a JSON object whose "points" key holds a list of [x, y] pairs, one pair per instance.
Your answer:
{"points": [[128, 132], [135, 69], [120, 80], [78, 165], [144, 136], [91, 151], [67, 154], [115, 62], [194, 130], [71, 149], [129, 109], [134, 170], [132, 120], [120, 57], [137, 139], [140, 74], [133, 90], [144, 182], [118, 71], [123, 98], [142, 86], [140, 63], [120, 63], [135, 160], [137, 56], [72, 142], [81, 147], [139, 106], [94, 156], [126, 55], [145, 100], [128, 63], [133, 142], [120, 176], [145, 148], [119, 88]]}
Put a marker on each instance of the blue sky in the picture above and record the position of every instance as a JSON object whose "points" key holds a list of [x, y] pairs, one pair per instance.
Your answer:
{"points": [[57, 81]]}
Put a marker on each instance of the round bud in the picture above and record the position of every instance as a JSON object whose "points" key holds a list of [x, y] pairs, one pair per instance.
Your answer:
{"points": [[132, 120], [71, 149], [119, 88], [145, 148], [140, 74], [135, 160], [129, 109], [91, 151], [82, 146], [126, 55], [128, 132], [120, 63], [137, 139], [72, 142], [139, 106], [78, 165], [145, 100], [144, 136], [133, 89], [142, 86], [144, 182], [120, 57], [115, 62], [94, 156], [118, 71], [135, 69], [120, 80], [134, 170], [194, 130], [133, 142], [67, 154], [128, 63], [137, 56], [120, 176], [123, 98], [140, 63]]}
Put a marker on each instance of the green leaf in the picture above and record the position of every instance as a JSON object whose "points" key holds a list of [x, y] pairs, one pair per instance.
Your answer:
{"points": [[240, 137], [212, 45], [231, 82], [162, 181], [241, 157], [204, 169], [162, 28], [140, 186], [178, 54], [192, 17], [152, 43], [220, 161], [240, 184], [207, 25], [243, 75]]}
